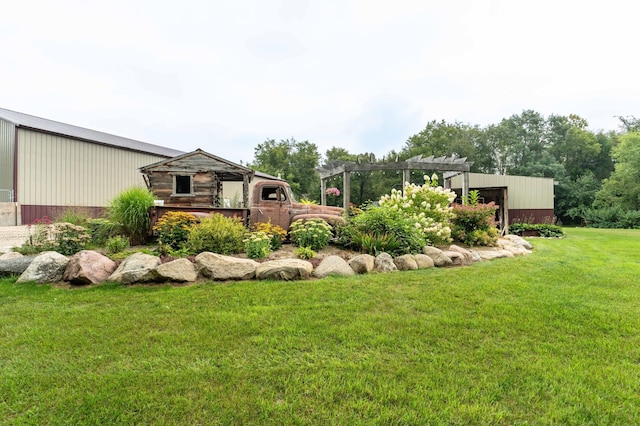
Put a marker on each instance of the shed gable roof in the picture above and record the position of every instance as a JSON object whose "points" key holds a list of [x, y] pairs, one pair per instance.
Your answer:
{"points": [[199, 160], [92, 136]]}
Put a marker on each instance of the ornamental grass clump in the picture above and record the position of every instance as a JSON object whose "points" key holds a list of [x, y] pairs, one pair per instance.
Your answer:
{"points": [[257, 245], [427, 206], [130, 209], [313, 233]]}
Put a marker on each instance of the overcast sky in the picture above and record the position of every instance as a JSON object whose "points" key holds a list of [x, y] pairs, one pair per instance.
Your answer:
{"points": [[364, 75]]}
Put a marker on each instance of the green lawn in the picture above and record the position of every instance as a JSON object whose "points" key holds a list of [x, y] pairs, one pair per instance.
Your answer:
{"points": [[551, 338]]}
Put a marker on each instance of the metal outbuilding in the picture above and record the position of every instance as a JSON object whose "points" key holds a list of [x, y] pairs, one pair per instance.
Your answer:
{"points": [[521, 198], [47, 166]]}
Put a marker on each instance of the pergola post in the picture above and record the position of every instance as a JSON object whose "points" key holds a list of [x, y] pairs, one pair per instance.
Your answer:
{"points": [[323, 192], [406, 177], [346, 191], [465, 187], [245, 191]]}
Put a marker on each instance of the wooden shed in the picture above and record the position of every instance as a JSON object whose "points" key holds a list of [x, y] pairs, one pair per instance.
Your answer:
{"points": [[195, 179]]}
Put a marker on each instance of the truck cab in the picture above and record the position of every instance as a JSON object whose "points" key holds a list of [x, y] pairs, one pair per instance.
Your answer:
{"points": [[274, 200]]}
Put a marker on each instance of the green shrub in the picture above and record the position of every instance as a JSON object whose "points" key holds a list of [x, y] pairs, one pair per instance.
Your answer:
{"points": [[101, 230], [116, 244], [427, 207], [257, 245], [313, 233], [40, 238], [69, 238], [473, 224], [172, 228], [612, 217], [217, 234], [543, 229], [380, 229], [305, 253], [130, 209], [74, 215]]}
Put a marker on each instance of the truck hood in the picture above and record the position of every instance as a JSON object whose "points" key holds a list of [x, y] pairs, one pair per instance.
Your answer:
{"points": [[299, 208]]}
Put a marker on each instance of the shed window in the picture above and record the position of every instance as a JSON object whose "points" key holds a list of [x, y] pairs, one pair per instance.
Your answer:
{"points": [[182, 185]]}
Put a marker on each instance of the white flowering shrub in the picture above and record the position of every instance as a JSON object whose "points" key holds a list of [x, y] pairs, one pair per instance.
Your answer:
{"points": [[313, 233], [428, 207], [257, 245]]}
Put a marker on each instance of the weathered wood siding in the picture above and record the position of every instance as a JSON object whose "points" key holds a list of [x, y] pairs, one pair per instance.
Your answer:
{"points": [[59, 171]]}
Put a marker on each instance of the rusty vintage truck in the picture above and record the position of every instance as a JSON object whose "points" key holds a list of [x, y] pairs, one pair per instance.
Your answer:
{"points": [[271, 201]]}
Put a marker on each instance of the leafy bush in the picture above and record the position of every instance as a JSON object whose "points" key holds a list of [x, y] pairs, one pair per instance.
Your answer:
{"points": [[380, 229], [427, 207], [130, 209], [474, 224], [305, 253], [101, 230], [69, 238], [257, 245], [313, 233], [543, 229], [612, 217], [117, 244], [40, 238], [172, 228], [217, 234], [276, 233]]}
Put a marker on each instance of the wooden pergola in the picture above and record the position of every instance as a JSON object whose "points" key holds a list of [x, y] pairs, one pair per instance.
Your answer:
{"points": [[431, 163]]}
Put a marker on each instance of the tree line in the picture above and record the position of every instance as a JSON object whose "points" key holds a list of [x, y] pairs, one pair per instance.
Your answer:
{"points": [[597, 173]]}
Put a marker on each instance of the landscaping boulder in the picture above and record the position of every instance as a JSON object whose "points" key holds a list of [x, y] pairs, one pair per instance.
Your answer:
{"points": [[457, 259], [494, 254], [88, 267], [476, 256], [362, 263], [384, 263], [333, 265], [15, 266], [518, 241], [423, 261], [406, 262], [10, 255], [47, 267], [134, 267], [468, 257], [179, 271], [438, 257], [284, 269], [220, 267]]}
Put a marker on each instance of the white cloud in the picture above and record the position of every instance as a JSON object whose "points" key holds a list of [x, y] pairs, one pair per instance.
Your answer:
{"points": [[364, 75]]}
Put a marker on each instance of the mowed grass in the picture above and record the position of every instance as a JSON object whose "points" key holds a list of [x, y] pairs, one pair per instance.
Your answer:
{"points": [[551, 338]]}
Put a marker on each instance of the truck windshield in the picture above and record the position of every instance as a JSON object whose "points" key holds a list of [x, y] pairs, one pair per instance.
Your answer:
{"points": [[291, 196]]}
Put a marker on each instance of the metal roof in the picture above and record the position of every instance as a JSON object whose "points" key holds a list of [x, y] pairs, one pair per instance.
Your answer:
{"points": [[49, 126]]}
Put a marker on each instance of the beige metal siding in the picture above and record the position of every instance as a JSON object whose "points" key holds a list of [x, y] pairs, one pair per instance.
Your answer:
{"points": [[54, 170], [7, 135], [524, 192]]}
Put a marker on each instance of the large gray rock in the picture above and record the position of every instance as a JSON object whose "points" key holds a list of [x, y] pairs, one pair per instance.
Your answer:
{"points": [[284, 269], [220, 267], [518, 241], [134, 267], [333, 265], [47, 267], [384, 263], [362, 263], [439, 258], [15, 266], [406, 262], [10, 255], [423, 261], [466, 254], [494, 254], [179, 271], [88, 267], [457, 259]]}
